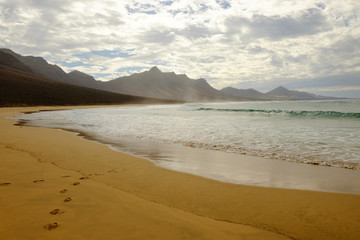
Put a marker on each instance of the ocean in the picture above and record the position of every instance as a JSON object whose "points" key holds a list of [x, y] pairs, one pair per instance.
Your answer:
{"points": [[325, 133]]}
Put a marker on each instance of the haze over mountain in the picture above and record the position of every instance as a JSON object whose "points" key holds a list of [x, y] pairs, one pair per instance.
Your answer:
{"points": [[83, 79], [286, 94], [250, 94], [155, 84]]}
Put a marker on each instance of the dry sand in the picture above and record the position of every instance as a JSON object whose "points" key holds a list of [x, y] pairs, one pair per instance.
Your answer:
{"points": [[55, 185]]}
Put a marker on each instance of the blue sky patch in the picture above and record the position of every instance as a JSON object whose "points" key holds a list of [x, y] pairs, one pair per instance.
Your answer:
{"points": [[224, 4], [72, 65], [141, 8], [106, 53], [131, 69], [167, 3], [321, 5], [203, 7], [101, 75], [159, 63], [151, 12]]}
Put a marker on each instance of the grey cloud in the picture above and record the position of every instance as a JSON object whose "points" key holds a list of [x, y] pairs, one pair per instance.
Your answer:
{"points": [[341, 80], [321, 5], [55, 28], [322, 85], [37, 32], [342, 55], [347, 47], [8, 13], [279, 59], [307, 22], [161, 37], [49, 4], [256, 50], [276, 61], [111, 19], [298, 59], [212, 59], [195, 31]]}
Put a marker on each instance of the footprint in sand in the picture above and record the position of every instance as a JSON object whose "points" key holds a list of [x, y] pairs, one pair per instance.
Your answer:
{"points": [[4, 184], [56, 211], [76, 183], [51, 226], [83, 178], [67, 199], [63, 191], [66, 176], [36, 181]]}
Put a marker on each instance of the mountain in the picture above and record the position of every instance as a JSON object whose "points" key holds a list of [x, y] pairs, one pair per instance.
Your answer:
{"points": [[168, 85], [10, 61], [150, 84], [19, 86], [83, 79], [281, 93], [245, 94], [41, 67]]}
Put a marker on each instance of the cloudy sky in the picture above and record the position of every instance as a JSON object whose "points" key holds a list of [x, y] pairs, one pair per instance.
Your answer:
{"points": [[305, 45]]}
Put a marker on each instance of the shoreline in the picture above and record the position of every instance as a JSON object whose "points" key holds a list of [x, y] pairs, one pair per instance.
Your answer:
{"points": [[157, 202], [239, 169]]}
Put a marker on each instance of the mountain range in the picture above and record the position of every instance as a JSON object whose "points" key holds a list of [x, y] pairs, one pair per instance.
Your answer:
{"points": [[20, 86], [151, 84]]}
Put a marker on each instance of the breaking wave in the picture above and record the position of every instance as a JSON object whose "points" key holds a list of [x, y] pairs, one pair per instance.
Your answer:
{"points": [[312, 114]]}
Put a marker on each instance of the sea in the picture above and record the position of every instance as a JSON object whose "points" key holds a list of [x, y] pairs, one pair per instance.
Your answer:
{"points": [[324, 133]]}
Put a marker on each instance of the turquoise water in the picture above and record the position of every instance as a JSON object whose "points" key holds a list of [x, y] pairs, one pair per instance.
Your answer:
{"points": [[317, 132]]}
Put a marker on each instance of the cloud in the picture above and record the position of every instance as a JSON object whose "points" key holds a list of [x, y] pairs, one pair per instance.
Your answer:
{"points": [[308, 22], [159, 37], [195, 31], [107, 53], [239, 43]]}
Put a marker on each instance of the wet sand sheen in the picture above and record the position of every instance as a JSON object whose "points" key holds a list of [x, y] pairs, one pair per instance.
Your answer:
{"points": [[246, 170], [130, 198]]}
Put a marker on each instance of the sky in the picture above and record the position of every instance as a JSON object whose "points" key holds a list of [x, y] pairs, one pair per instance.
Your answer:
{"points": [[304, 45]]}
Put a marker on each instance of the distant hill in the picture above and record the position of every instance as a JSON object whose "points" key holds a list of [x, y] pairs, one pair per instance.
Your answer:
{"points": [[281, 93], [245, 94]]}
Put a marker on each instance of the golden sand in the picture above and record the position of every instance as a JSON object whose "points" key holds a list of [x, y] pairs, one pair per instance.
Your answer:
{"points": [[56, 185]]}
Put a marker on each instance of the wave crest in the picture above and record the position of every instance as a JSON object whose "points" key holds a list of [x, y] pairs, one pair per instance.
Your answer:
{"points": [[293, 113]]}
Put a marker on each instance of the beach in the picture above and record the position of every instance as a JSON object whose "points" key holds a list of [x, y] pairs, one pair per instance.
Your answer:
{"points": [[105, 194]]}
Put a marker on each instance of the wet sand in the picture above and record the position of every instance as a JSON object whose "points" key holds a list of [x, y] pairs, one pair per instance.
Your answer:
{"points": [[56, 185], [244, 169]]}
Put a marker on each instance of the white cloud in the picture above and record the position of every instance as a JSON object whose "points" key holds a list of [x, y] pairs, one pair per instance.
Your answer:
{"points": [[227, 42]]}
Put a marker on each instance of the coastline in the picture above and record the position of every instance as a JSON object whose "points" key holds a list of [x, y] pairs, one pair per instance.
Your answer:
{"points": [[131, 197]]}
